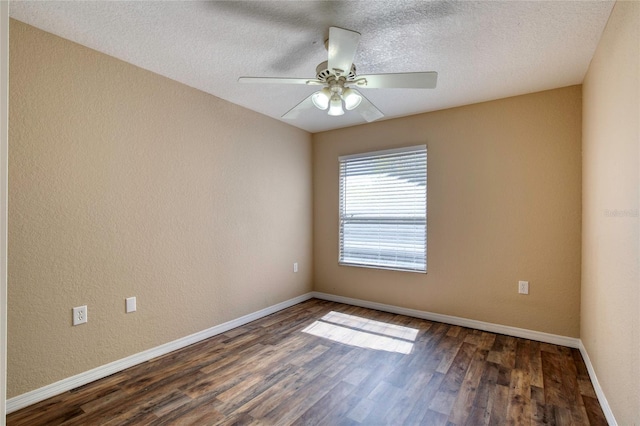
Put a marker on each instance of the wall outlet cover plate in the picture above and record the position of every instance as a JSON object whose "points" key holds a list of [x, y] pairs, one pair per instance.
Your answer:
{"points": [[80, 315]]}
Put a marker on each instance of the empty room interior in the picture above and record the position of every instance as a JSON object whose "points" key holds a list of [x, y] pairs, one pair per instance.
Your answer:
{"points": [[418, 212]]}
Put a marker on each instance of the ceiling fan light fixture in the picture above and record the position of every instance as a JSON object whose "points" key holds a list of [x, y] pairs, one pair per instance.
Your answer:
{"points": [[335, 106], [321, 98], [351, 99]]}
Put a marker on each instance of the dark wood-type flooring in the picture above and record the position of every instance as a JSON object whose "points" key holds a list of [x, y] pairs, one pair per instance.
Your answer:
{"points": [[327, 363]]}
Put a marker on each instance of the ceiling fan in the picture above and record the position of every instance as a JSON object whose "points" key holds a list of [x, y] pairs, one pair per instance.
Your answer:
{"points": [[338, 77]]}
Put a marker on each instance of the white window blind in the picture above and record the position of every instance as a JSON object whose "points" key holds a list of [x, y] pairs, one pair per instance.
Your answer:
{"points": [[383, 209]]}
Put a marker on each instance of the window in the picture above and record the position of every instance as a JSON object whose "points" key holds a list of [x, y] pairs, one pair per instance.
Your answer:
{"points": [[383, 209]]}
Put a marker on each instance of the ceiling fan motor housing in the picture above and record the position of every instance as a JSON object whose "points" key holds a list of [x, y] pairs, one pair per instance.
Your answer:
{"points": [[323, 73]]}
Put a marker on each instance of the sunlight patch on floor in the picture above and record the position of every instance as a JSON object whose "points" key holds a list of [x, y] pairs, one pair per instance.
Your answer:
{"points": [[364, 333]]}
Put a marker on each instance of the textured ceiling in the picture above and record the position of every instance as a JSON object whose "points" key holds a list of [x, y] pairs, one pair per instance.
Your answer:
{"points": [[481, 50]]}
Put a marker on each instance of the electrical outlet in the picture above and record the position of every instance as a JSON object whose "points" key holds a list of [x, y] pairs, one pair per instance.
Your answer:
{"points": [[80, 315], [523, 287], [295, 267], [130, 304]]}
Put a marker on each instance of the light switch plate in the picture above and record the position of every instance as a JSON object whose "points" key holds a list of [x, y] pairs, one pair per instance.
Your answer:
{"points": [[130, 304]]}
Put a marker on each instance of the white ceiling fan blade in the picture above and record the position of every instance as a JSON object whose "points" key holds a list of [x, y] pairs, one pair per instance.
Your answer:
{"points": [[278, 80], [342, 49], [408, 80], [368, 110], [295, 112]]}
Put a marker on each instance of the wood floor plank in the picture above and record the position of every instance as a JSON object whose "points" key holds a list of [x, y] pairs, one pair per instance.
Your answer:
{"points": [[535, 364], [140, 407], [468, 390], [361, 410], [478, 416], [324, 407], [519, 398], [289, 411], [552, 373], [571, 388], [449, 347], [270, 398], [586, 388], [201, 411], [539, 416], [423, 398], [487, 341], [337, 412], [273, 378], [386, 396], [449, 389], [499, 403], [108, 399], [594, 411], [508, 358], [563, 416], [275, 371], [434, 418], [485, 387]]}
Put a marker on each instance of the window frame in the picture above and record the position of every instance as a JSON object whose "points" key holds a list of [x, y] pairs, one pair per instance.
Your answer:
{"points": [[422, 149]]}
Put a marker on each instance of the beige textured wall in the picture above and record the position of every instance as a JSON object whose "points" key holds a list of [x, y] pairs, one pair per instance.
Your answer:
{"points": [[124, 183], [610, 326], [504, 181]]}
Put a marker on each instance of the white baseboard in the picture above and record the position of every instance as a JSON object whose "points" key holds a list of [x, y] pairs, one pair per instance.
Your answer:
{"points": [[602, 399], [37, 395], [555, 339]]}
